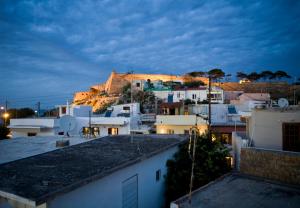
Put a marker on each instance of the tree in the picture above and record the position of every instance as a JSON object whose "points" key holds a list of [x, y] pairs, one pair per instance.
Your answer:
{"points": [[188, 102], [228, 77], [216, 74], [193, 84], [4, 131], [210, 163], [20, 113], [280, 74], [253, 76], [266, 74], [241, 75], [196, 74]]}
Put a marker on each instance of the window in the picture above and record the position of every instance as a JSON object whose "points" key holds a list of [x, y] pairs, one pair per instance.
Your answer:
{"points": [[130, 192], [157, 175], [194, 96], [291, 137], [113, 131], [63, 110], [126, 108], [138, 84], [30, 134], [165, 111], [178, 94], [170, 131]]}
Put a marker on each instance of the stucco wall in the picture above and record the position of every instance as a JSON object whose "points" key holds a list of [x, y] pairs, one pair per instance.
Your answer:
{"points": [[163, 129], [271, 164], [265, 127], [107, 192]]}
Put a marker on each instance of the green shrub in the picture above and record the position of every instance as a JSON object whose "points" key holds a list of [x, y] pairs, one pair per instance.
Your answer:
{"points": [[4, 131]]}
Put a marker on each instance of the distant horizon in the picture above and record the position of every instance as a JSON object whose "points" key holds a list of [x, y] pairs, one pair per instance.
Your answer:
{"points": [[51, 49]]}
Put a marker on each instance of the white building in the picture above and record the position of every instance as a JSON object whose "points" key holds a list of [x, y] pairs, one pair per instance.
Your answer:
{"points": [[197, 94], [272, 128], [118, 119], [110, 172], [34, 126], [249, 101], [275, 128], [179, 124]]}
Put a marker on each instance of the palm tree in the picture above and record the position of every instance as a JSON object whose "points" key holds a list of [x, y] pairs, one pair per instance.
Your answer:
{"points": [[281, 74], [266, 74], [253, 76], [241, 75]]}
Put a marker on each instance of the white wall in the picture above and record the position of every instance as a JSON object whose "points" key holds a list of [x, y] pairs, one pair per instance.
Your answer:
{"points": [[122, 123], [135, 109], [200, 95], [107, 192], [49, 126], [265, 127], [219, 112], [237, 143]]}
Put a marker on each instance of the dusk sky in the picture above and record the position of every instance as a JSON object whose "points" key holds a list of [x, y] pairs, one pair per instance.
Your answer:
{"points": [[51, 49]]}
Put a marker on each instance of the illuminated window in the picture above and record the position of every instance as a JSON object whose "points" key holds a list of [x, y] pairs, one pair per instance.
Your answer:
{"points": [[170, 131], [63, 110], [113, 131]]}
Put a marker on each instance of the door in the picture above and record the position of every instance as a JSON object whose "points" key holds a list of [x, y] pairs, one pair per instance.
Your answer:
{"points": [[130, 192]]}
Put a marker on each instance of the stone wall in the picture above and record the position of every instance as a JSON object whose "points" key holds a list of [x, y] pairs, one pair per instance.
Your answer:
{"points": [[280, 166]]}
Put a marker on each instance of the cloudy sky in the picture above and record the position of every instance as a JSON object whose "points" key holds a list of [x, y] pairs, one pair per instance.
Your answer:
{"points": [[51, 49]]}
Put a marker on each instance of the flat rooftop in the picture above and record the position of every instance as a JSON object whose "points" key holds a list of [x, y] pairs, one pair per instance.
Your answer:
{"points": [[242, 191], [43, 176], [22, 147]]}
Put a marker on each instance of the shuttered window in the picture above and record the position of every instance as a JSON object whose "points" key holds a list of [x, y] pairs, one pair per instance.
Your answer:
{"points": [[291, 137], [130, 192]]}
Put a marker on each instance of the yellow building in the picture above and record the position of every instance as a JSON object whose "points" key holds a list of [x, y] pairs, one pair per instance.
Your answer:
{"points": [[179, 124]]}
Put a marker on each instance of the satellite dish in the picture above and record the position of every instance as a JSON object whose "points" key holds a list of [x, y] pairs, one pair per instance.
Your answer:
{"points": [[67, 123], [283, 103]]}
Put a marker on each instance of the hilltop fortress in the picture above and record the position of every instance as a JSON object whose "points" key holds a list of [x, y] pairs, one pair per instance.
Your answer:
{"points": [[109, 91]]}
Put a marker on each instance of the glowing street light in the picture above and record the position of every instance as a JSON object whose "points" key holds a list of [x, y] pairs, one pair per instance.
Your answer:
{"points": [[1, 108], [5, 116]]}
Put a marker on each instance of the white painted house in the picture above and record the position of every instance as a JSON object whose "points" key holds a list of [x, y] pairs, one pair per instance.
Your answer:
{"points": [[110, 172], [34, 126], [118, 119], [197, 94]]}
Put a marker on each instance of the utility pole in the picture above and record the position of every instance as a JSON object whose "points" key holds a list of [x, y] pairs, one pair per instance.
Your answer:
{"points": [[38, 108], [131, 108], [5, 113], [90, 124], [209, 106]]}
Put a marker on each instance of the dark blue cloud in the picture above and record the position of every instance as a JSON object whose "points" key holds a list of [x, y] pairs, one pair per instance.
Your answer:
{"points": [[58, 47]]}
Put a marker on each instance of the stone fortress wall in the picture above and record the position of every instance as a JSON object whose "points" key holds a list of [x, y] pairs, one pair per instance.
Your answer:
{"points": [[109, 91]]}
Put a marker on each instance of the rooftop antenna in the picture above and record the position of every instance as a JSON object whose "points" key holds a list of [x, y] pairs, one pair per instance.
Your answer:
{"points": [[67, 123], [194, 133], [283, 103]]}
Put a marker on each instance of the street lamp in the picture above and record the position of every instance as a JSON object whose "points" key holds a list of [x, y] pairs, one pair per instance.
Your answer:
{"points": [[5, 116], [1, 108]]}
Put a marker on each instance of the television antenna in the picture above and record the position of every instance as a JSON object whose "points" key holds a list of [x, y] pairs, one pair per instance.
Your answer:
{"points": [[283, 103], [67, 123]]}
